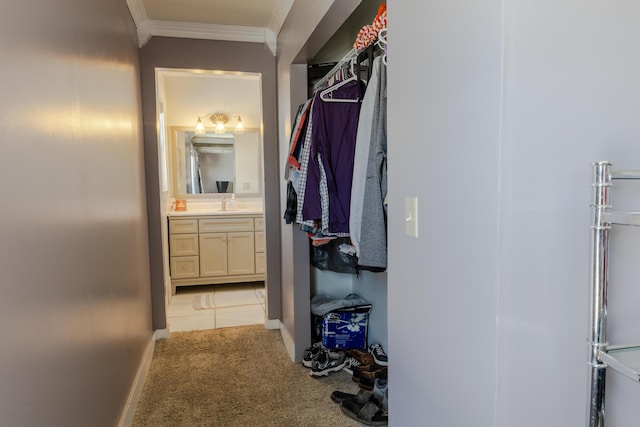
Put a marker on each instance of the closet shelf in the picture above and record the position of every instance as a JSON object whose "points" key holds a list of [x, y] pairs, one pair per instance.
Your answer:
{"points": [[624, 359], [623, 218], [621, 358]]}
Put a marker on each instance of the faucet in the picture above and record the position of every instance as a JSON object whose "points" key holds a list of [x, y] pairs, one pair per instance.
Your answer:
{"points": [[223, 202]]}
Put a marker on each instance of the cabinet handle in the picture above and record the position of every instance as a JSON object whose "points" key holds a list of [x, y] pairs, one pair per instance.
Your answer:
{"points": [[184, 267]]}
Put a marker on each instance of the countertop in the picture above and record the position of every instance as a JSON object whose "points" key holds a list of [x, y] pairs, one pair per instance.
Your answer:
{"points": [[213, 209], [210, 212]]}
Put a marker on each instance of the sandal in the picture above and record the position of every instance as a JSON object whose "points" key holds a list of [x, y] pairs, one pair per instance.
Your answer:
{"points": [[361, 398], [369, 413]]}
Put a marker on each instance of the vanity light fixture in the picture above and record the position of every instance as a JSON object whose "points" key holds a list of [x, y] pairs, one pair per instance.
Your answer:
{"points": [[200, 127], [239, 126], [218, 120]]}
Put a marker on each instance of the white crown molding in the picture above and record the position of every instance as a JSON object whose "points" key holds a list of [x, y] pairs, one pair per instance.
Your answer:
{"points": [[206, 31], [279, 15], [190, 30], [144, 34], [137, 10], [270, 40], [147, 28]]}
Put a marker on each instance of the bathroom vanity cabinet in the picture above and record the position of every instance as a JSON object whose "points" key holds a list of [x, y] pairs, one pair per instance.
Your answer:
{"points": [[216, 249]]}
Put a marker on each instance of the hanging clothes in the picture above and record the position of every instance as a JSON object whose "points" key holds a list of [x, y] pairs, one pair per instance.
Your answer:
{"points": [[361, 158], [291, 205], [332, 152], [292, 166], [301, 187], [336, 164], [297, 135], [373, 238]]}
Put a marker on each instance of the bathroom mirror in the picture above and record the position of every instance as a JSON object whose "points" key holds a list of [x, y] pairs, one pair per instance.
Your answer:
{"points": [[204, 165]]}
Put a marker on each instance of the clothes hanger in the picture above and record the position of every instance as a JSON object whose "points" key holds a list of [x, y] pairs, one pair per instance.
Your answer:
{"points": [[382, 43], [325, 95]]}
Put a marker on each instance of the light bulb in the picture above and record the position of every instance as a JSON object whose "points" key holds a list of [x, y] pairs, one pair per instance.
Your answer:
{"points": [[239, 126], [220, 127], [200, 127]]}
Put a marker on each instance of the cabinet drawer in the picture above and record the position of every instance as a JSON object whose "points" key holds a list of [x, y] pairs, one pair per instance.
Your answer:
{"points": [[183, 244], [226, 224], [183, 226], [185, 267], [259, 241], [259, 224]]}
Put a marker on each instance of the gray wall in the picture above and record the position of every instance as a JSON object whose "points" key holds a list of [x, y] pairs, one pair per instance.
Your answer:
{"points": [[443, 295], [167, 52], [75, 313], [496, 112]]}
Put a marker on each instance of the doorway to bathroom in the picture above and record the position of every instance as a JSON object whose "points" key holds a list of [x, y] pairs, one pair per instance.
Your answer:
{"points": [[229, 147]]}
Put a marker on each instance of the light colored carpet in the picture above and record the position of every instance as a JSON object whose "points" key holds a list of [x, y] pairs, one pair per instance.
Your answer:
{"points": [[240, 376]]}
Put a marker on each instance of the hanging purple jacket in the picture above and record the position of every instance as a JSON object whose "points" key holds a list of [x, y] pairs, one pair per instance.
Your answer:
{"points": [[334, 138]]}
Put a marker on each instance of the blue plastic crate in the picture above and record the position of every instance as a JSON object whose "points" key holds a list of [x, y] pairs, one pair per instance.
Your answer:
{"points": [[346, 328]]}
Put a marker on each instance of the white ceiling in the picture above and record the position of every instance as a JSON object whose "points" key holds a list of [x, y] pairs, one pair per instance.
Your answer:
{"points": [[256, 21]]}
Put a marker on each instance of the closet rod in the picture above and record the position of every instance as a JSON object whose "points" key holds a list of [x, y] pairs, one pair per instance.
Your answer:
{"points": [[345, 59]]}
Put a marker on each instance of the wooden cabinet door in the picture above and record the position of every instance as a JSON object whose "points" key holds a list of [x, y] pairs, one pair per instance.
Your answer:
{"points": [[260, 262], [241, 253], [213, 254], [259, 241]]}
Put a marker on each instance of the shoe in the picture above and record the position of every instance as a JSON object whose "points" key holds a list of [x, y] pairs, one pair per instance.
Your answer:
{"points": [[362, 356], [385, 401], [378, 354], [310, 354], [350, 364], [370, 413], [361, 398], [368, 379], [379, 392], [358, 370], [381, 372], [327, 362]]}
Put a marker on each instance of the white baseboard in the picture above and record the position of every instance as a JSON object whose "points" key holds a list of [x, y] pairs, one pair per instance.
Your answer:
{"points": [[129, 411], [272, 324], [161, 334], [289, 343]]}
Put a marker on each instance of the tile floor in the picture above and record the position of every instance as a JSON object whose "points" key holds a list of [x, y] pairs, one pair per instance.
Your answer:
{"points": [[216, 306]]}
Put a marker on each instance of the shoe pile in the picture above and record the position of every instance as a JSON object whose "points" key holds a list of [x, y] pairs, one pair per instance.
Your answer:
{"points": [[370, 405], [323, 361], [368, 368]]}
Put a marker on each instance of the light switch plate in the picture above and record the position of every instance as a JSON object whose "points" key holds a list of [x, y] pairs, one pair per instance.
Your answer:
{"points": [[411, 216]]}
